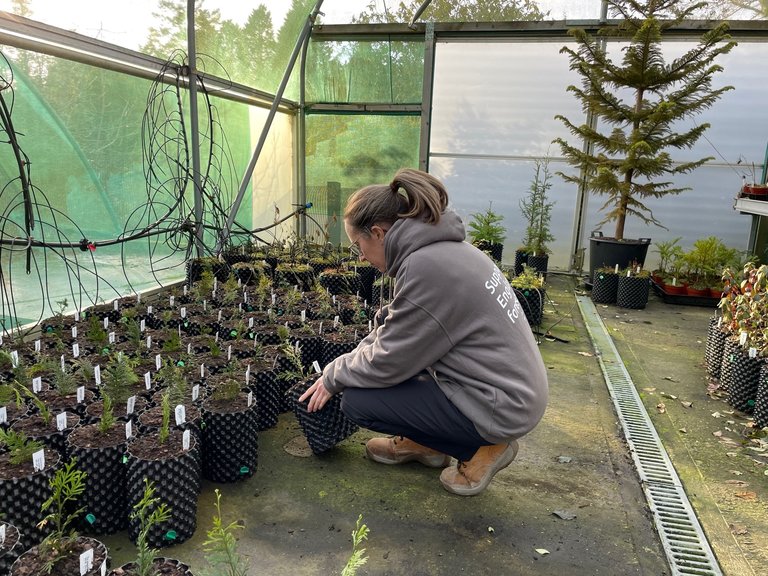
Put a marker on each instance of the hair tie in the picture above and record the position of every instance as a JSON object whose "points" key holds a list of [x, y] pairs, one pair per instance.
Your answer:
{"points": [[394, 187]]}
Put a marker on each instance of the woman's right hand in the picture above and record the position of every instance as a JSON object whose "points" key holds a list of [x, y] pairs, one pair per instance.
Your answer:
{"points": [[318, 396]]}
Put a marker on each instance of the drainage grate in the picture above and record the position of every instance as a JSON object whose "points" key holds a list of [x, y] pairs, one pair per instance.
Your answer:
{"points": [[687, 549]]}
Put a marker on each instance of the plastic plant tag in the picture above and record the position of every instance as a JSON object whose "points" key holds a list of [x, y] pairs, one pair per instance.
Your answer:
{"points": [[103, 569], [3, 415], [112, 337], [674, 281], [205, 305], [250, 322], [229, 352], [37, 346], [245, 296], [61, 421], [37, 384], [181, 414], [138, 297], [240, 306], [116, 305], [753, 352], [274, 298], [148, 380], [189, 348], [63, 363], [184, 290], [186, 439], [170, 301], [75, 350], [74, 331], [742, 338], [195, 392], [158, 361], [38, 460], [219, 315], [106, 322], [2, 534], [616, 269], [130, 405], [216, 337], [333, 299], [303, 316], [320, 328], [142, 325], [215, 284], [80, 394], [97, 374], [15, 358], [202, 370], [719, 321], [183, 311], [149, 309], [250, 399], [248, 374], [629, 272], [316, 366], [86, 561], [128, 429], [335, 321], [77, 317], [149, 342], [638, 270]]}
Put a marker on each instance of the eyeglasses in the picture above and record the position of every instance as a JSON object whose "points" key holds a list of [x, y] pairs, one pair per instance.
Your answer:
{"points": [[354, 247]]}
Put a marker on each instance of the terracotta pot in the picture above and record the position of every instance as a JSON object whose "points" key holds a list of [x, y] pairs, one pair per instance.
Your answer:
{"points": [[702, 292]]}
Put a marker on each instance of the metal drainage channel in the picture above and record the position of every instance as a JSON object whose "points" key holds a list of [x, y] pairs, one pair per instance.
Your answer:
{"points": [[682, 537]]}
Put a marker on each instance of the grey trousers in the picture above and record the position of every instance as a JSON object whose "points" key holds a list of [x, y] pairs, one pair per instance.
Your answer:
{"points": [[416, 409]]}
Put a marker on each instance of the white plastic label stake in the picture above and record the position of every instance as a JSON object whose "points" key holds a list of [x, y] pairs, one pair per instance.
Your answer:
{"points": [[128, 429], [616, 269], [202, 370], [170, 300], [628, 272], [189, 348], [248, 374], [15, 358], [183, 311], [335, 321], [130, 406], [111, 337], [205, 305], [320, 328], [3, 415], [142, 325], [148, 380], [186, 439], [86, 561], [61, 421], [181, 415], [77, 317], [316, 366], [80, 394], [184, 290], [753, 352], [138, 297], [74, 331], [104, 568], [37, 384], [63, 368], [149, 342], [75, 350], [195, 392], [229, 352], [116, 305], [97, 374], [250, 322], [333, 299], [106, 322], [719, 321], [303, 316], [37, 349], [240, 307], [38, 460], [674, 281], [149, 309], [158, 361], [274, 298], [219, 315], [743, 338], [2, 534], [250, 399]]}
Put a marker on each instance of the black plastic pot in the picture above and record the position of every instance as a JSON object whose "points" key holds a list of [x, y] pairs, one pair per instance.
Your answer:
{"points": [[267, 395], [230, 434], [160, 566], [605, 251], [633, 292], [532, 302], [605, 288], [521, 257], [742, 393], [324, 428], [81, 544], [761, 400], [539, 263], [713, 352], [730, 350], [11, 547]]}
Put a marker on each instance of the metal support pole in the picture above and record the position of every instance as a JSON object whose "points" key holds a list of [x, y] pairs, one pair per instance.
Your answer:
{"points": [[303, 37], [426, 95], [301, 144], [194, 127]]}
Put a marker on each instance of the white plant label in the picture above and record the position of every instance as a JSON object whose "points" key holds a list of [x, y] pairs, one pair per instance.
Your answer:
{"points": [[142, 325], [3, 415], [303, 316], [274, 298], [186, 439], [37, 345], [74, 331], [75, 350], [202, 370], [148, 380], [250, 399], [149, 342], [63, 368], [80, 394], [205, 305], [61, 421], [38, 460], [106, 322], [149, 309], [112, 337], [189, 348], [97, 374], [320, 328], [719, 321], [77, 317], [170, 300], [335, 321], [753, 352], [674, 281], [183, 311], [743, 338], [219, 315], [248, 374], [616, 269], [15, 358], [181, 415], [629, 272], [245, 296], [333, 299], [215, 284], [229, 352], [184, 290], [316, 366], [138, 297], [2, 534], [250, 322], [158, 361], [104, 568], [116, 305], [37, 384], [195, 392], [216, 338], [130, 406], [240, 307], [86, 561], [128, 429]]}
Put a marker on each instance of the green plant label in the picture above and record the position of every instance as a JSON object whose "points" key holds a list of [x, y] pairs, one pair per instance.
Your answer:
{"points": [[171, 535], [90, 518], [244, 470]]}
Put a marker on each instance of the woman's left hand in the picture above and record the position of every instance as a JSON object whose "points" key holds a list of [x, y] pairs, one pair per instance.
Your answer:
{"points": [[318, 395]]}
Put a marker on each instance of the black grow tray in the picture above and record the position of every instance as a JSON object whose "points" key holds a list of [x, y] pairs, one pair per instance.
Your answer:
{"points": [[684, 299]]}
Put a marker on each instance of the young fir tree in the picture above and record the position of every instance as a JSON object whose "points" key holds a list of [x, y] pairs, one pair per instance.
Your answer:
{"points": [[638, 99]]}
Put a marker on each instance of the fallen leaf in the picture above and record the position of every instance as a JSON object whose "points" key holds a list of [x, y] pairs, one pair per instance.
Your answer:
{"points": [[564, 459], [738, 529], [731, 454], [717, 415], [542, 551], [564, 514], [683, 430], [490, 529], [586, 354], [746, 495], [670, 379], [686, 404], [736, 472], [755, 448], [661, 407], [739, 483], [649, 389], [717, 434], [672, 396]]}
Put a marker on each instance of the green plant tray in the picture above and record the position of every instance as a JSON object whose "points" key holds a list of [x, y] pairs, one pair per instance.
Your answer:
{"points": [[684, 299]]}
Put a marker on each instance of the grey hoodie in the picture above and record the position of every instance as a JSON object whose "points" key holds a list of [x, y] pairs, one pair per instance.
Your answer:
{"points": [[454, 315]]}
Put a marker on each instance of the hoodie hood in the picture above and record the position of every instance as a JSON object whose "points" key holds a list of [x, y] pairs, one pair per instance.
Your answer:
{"points": [[410, 234]]}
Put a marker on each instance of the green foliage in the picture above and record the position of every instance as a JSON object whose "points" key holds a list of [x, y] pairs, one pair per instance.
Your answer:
{"points": [[528, 278], [132, 330], [67, 485], [358, 558], [668, 251], [42, 407], [172, 342], [293, 355], [231, 291], [221, 547], [95, 332], [9, 393], [19, 446], [107, 414], [119, 376], [453, 11], [149, 512], [486, 227], [537, 211], [165, 426], [639, 102], [64, 381]]}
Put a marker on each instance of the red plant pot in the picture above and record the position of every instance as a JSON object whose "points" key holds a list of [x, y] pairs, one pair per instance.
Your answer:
{"points": [[702, 292], [677, 290], [755, 191], [716, 293]]}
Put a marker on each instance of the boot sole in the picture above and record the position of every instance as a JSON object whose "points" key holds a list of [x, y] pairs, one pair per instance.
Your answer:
{"points": [[428, 461], [502, 462]]}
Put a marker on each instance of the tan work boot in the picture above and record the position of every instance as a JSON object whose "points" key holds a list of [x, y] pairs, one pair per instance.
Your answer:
{"points": [[398, 450], [470, 478]]}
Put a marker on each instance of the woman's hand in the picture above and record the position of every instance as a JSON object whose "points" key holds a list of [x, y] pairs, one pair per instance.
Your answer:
{"points": [[318, 395]]}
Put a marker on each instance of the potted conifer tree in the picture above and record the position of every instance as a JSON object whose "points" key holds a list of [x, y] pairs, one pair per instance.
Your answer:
{"points": [[487, 232], [639, 98]]}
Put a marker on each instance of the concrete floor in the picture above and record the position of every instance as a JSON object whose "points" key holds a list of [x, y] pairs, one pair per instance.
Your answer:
{"points": [[570, 504]]}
